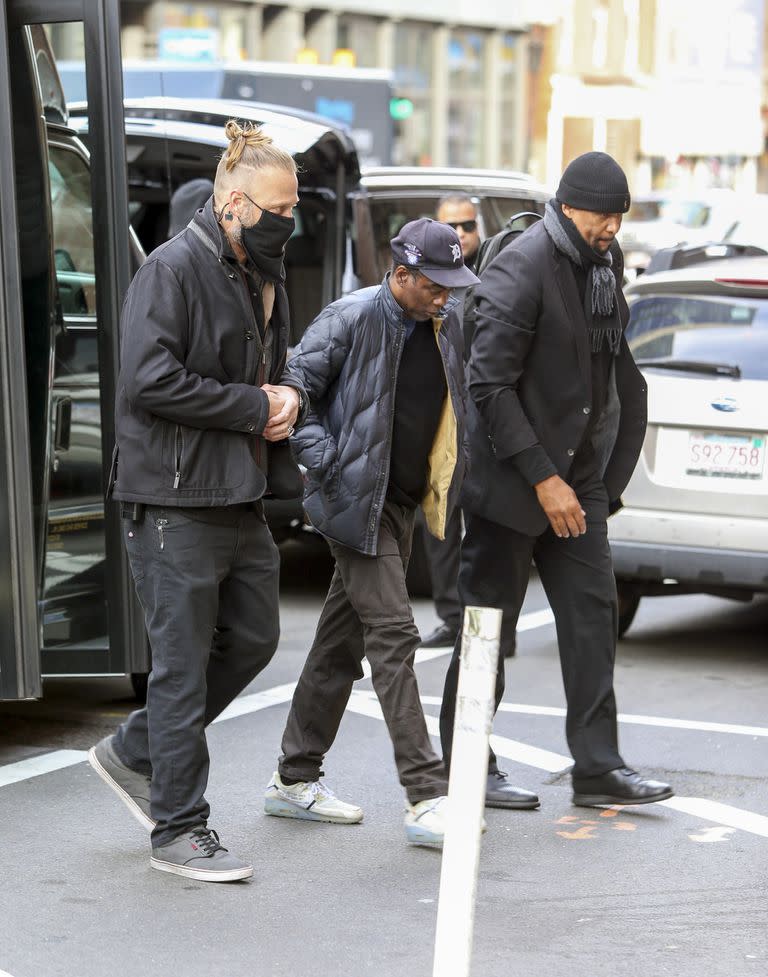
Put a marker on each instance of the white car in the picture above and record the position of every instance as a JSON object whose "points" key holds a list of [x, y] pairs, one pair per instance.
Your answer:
{"points": [[695, 516], [665, 218]]}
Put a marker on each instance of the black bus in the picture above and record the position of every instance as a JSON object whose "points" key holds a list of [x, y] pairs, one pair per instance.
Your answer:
{"points": [[356, 98], [68, 248], [67, 255]]}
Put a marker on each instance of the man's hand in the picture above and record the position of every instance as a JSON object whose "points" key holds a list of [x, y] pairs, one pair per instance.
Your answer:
{"points": [[283, 411], [562, 508]]}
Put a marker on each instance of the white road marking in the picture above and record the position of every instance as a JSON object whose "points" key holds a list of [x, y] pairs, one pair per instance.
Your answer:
{"points": [[245, 704], [12, 773], [535, 619], [710, 835], [366, 704], [526, 622], [733, 817], [4, 973], [629, 718], [45, 763]]}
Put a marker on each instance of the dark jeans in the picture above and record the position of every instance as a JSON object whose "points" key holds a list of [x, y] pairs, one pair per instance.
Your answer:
{"points": [[366, 614], [443, 556], [210, 599], [577, 576]]}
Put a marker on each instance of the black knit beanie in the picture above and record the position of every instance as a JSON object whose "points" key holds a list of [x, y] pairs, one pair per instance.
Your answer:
{"points": [[594, 181]]}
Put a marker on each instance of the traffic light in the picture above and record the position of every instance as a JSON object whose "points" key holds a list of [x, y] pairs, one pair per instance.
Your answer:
{"points": [[400, 108]]}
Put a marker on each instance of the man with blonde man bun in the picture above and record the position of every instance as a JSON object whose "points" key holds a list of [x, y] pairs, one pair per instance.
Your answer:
{"points": [[203, 412]]}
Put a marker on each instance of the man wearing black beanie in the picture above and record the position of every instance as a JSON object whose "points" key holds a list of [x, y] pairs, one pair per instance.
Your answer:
{"points": [[556, 417]]}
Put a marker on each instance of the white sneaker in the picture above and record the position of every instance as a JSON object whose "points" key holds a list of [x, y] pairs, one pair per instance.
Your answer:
{"points": [[425, 822], [310, 801]]}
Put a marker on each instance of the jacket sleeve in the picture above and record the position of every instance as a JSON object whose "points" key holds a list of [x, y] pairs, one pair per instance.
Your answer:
{"points": [[315, 366], [508, 306], [153, 343], [319, 357]]}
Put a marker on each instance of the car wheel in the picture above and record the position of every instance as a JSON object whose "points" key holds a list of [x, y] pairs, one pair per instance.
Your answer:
{"points": [[139, 682], [629, 600]]}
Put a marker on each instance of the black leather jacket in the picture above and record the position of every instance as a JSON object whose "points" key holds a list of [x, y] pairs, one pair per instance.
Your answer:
{"points": [[189, 412]]}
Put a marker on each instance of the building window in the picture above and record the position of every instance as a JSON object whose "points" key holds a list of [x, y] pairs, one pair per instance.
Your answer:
{"points": [[413, 80], [509, 80], [359, 35], [466, 98]]}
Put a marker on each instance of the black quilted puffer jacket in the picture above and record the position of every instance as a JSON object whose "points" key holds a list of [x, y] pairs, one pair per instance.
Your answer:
{"points": [[347, 362]]}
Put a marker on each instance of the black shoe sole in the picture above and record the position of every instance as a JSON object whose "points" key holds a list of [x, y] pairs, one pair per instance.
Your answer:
{"points": [[514, 805], [605, 800]]}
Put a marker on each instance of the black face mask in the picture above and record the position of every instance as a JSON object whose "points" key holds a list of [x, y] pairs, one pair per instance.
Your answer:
{"points": [[264, 243]]}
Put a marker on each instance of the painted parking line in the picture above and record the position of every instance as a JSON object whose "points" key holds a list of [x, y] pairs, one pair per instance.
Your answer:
{"points": [[629, 718], [732, 817], [12, 773], [366, 704], [245, 704], [526, 622]]}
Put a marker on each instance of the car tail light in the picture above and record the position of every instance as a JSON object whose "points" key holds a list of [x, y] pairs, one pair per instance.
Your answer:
{"points": [[747, 282]]}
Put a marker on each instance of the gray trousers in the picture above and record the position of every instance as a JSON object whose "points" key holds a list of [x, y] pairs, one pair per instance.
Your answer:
{"points": [[366, 614], [210, 598]]}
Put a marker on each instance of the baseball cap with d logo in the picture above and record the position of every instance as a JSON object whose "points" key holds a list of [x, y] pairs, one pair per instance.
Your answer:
{"points": [[433, 249]]}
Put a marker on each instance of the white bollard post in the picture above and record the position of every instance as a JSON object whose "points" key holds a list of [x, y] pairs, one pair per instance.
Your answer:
{"points": [[466, 791]]}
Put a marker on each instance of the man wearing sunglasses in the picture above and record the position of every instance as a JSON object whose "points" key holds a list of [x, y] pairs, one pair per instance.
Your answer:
{"points": [[459, 211]]}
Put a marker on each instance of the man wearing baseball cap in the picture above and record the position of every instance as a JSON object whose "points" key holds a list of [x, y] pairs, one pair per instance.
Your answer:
{"points": [[383, 369], [556, 415]]}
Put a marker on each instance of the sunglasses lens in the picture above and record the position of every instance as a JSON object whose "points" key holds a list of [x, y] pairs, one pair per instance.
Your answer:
{"points": [[466, 226]]}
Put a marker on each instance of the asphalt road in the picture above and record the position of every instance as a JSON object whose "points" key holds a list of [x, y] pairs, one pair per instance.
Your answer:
{"points": [[676, 889]]}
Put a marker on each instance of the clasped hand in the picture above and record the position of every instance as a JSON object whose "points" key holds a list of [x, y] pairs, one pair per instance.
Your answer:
{"points": [[283, 411]]}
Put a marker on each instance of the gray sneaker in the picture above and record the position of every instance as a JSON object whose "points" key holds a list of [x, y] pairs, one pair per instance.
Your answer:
{"points": [[198, 854], [131, 787]]}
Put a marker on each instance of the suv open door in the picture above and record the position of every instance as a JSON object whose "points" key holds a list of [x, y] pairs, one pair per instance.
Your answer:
{"points": [[47, 289]]}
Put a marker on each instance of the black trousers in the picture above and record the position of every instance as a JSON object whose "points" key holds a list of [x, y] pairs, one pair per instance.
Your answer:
{"points": [[443, 556], [210, 598], [577, 576], [366, 614]]}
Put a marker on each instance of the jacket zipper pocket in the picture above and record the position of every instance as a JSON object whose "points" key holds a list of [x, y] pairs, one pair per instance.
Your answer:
{"points": [[179, 445]]}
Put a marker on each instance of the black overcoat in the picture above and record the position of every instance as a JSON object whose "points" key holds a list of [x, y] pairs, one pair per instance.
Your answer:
{"points": [[530, 381]]}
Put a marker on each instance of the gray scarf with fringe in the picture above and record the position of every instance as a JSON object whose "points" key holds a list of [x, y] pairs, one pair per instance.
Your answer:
{"points": [[600, 306]]}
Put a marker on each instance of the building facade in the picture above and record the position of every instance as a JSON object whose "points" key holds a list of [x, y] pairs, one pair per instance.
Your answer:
{"points": [[460, 67], [671, 88]]}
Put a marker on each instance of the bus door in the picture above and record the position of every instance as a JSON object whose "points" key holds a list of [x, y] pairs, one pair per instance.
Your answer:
{"points": [[87, 617]]}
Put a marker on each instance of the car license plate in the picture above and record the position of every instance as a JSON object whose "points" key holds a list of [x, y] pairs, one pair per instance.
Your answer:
{"points": [[721, 455]]}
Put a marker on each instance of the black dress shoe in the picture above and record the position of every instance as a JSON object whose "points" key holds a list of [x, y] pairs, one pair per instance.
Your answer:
{"points": [[500, 793], [442, 637], [620, 786]]}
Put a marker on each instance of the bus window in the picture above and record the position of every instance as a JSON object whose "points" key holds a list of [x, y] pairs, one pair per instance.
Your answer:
{"points": [[72, 231], [74, 605]]}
